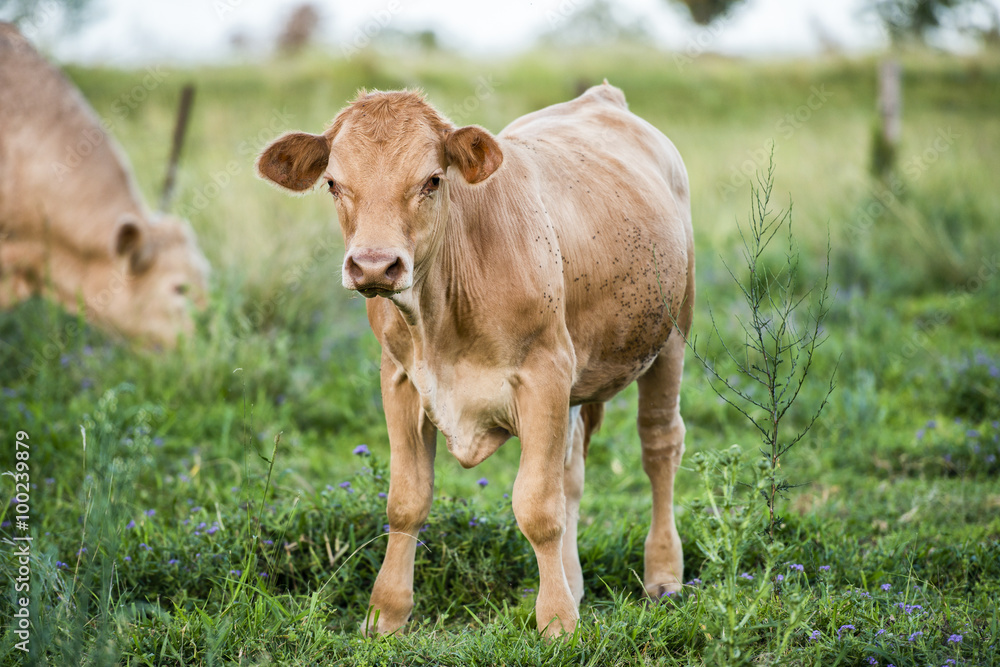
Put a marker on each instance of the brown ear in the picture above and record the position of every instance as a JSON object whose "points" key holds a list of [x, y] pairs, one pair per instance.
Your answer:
{"points": [[474, 151], [132, 240], [295, 161]]}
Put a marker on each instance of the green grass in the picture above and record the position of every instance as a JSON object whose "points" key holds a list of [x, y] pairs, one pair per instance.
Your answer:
{"points": [[179, 445]]}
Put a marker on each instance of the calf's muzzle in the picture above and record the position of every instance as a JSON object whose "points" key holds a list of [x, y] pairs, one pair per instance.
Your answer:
{"points": [[376, 271]]}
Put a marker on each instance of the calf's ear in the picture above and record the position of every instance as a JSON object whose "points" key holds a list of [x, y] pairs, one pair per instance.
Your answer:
{"points": [[295, 161], [131, 239], [474, 152]]}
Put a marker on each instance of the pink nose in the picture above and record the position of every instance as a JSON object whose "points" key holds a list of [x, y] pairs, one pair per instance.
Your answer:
{"points": [[371, 270]]}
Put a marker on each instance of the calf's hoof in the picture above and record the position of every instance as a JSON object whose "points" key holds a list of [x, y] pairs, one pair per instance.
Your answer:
{"points": [[384, 621], [669, 586], [556, 620]]}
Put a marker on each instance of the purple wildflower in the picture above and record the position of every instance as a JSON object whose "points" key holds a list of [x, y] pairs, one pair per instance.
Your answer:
{"points": [[236, 572], [844, 627], [128, 559], [920, 434], [747, 576], [795, 566], [172, 561], [780, 577], [932, 423], [130, 525], [886, 587], [914, 635], [149, 512], [347, 486], [385, 528], [824, 568], [362, 450], [955, 639], [483, 482], [63, 566], [872, 660], [814, 636], [382, 494], [972, 433]]}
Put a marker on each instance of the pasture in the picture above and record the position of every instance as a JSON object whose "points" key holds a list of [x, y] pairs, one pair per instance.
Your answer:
{"points": [[223, 510]]}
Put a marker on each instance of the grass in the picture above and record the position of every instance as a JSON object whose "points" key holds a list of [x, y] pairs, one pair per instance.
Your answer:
{"points": [[185, 535]]}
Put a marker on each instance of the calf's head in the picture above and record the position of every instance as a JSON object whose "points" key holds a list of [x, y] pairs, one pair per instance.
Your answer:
{"points": [[156, 279], [388, 160]]}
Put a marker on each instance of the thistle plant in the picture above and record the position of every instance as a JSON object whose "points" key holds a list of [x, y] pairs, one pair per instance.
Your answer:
{"points": [[778, 346]]}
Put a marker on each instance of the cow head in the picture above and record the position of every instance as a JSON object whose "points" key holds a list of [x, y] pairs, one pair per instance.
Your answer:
{"points": [[157, 278], [388, 161]]}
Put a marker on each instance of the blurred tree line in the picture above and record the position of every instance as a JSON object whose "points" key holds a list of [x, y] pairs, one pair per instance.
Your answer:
{"points": [[904, 20]]}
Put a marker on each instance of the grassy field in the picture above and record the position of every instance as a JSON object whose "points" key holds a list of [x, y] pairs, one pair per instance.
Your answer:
{"points": [[182, 534]]}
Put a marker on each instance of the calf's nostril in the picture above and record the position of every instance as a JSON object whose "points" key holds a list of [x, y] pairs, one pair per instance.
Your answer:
{"points": [[354, 271], [393, 270]]}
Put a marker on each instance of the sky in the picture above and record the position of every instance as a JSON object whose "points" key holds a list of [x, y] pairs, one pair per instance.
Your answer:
{"points": [[129, 32]]}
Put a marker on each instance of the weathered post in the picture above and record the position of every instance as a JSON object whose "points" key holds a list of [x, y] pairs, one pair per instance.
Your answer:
{"points": [[890, 111], [183, 114]]}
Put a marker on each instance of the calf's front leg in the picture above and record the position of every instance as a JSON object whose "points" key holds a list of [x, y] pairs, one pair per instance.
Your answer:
{"points": [[539, 503], [412, 440]]}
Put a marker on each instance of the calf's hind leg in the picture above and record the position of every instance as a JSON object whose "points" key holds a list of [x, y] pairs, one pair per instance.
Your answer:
{"points": [[661, 431], [584, 420]]}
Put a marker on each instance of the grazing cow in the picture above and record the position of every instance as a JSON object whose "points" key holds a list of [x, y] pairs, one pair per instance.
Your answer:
{"points": [[72, 223], [515, 283]]}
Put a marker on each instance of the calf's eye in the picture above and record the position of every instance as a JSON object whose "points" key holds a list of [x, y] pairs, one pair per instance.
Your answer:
{"points": [[431, 186], [334, 189]]}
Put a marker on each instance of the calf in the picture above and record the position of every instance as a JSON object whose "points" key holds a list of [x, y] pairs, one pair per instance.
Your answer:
{"points": [[515, 283], [72, 224]]}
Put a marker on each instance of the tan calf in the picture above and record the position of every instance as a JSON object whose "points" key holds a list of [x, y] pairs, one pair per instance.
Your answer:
{"points": [[73, 226], [515, 282]]}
